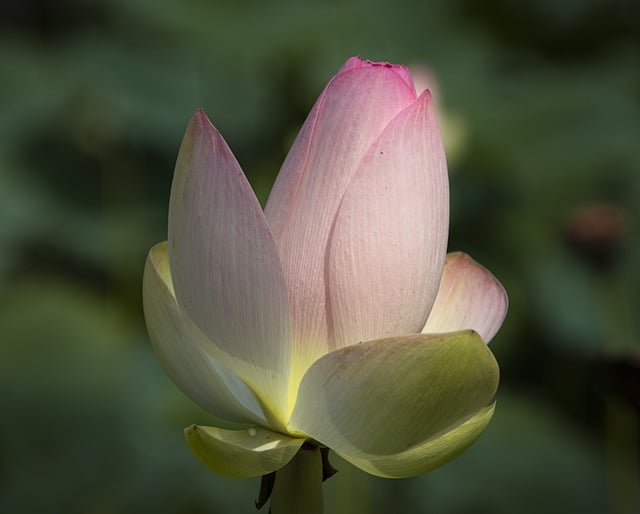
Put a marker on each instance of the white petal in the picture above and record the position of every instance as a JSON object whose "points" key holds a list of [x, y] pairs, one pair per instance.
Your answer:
{"points": [[182, 349], [470, 297], [225, 267], [389, 241]]}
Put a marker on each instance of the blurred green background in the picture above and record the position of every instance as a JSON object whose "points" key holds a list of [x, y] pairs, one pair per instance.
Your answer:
{"points": [[540, 108]]}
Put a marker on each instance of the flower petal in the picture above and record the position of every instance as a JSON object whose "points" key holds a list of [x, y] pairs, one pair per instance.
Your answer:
{"points": [[182, 349], [348, 117], [387, 396], [426, 456], [470, 297], [389, 242], [241, 453], [225, 266]]}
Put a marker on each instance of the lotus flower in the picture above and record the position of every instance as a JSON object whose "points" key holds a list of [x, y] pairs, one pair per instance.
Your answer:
{"points": [[333, 319]]}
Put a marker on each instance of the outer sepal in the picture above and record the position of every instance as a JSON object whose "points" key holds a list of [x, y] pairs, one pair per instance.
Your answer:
{"points": [[241, 453]]}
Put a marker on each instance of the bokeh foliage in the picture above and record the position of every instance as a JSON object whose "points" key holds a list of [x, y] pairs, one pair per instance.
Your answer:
{"points": [[540, 106]]}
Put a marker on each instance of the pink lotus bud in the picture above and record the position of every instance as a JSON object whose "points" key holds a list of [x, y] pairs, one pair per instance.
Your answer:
{"points": [[307, 319]]}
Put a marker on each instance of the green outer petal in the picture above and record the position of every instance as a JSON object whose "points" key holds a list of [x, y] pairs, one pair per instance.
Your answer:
{"points": [[241, 453], [427, 456], [388, 396]]}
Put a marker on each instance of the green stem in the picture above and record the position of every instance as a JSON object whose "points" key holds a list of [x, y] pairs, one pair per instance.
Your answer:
{"points": [[298, 486], [622, 450]]}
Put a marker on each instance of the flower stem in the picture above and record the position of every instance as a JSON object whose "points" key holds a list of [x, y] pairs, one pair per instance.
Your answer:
{"points": [[298, 486]]}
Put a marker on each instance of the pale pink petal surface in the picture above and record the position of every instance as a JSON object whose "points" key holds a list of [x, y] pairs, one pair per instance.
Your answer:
{"points": [[470, 297], [305, 198], [182, 349], [225, 266], [389, 242]]}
